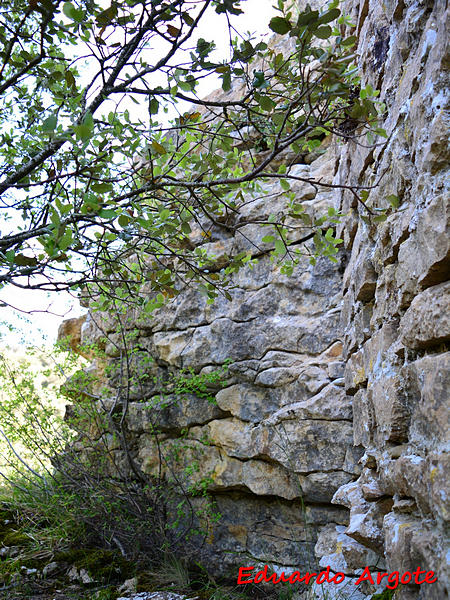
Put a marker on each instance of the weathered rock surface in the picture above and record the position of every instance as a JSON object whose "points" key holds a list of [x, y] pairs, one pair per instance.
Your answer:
{"points": [[397, 304], [332, 430]]}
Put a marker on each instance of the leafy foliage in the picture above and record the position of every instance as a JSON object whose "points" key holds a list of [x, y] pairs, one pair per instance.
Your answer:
{"points": [[75, 480], [100, 186]]}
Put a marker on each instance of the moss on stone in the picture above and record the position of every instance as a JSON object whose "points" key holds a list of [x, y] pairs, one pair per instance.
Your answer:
{"points": [[10, 532], [101, 565], [14, 537]]}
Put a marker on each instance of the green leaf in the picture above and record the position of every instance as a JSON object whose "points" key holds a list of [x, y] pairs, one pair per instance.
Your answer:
{"points": [[285, 185], [66, 240], [25, 261], [83, 132], [124, 220], [393, 200], [380, 131], [350, 41], [187, 19], [329, 16], [364, 194], [68, 9], [266, 103], [323, 33], [226, 82], [101, 187], [268, 239], [73, 13], [154, 106], [107, 213], [88, 120], [280, 25], [70, 79], [50, 123], [104, 18], [159, 148], [329, 235], [259, 80], [280, 247], [186, 228], [307, 18]]}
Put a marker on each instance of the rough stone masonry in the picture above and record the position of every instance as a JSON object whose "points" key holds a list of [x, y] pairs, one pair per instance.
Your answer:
{"points": [[329, 444]]}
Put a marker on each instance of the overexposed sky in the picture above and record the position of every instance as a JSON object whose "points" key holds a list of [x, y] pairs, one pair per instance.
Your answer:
{"points": [[48, 310]]}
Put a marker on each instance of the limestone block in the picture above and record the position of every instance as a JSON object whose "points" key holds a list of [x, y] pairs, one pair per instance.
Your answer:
{"points": [[370, 486], [320, 487], [409, 476], [391, 408], [364, 277], [331, 404], [436, 153], [412, 543], [70, 332], [336, 369], [355, 373], [363, 418], [279, 532], [439, 469], [398, 530], [366, 518], [333, 352], [225, 339], [375, 359], [397, 226], [247, 402], [303, 447], [276, 376], [352, 460], [171, 413], [386, 297], [251, 403], [196, 463], [426, 323], [429, 386], [361, 323], [333, 540], [184, 311], [348, 309], [423, 259], [359, 329], [170, 345]]}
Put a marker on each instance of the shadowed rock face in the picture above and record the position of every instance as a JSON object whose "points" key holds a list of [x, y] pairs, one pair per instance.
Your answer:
{"points": [[335, 411], [396, 299]]}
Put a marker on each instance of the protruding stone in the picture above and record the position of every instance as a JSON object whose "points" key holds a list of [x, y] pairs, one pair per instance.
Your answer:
{"points": [[426, 323]]}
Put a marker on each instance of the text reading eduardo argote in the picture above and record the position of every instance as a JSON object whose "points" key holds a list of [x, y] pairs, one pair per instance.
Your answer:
{"points": [[247, 575]]}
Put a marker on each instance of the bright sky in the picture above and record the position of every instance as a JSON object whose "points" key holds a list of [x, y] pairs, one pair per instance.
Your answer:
{"points": [[48, 310]]}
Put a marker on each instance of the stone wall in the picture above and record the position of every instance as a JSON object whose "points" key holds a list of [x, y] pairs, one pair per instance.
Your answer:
{"points": [[331, 431], [395, 310], [278, 442]]}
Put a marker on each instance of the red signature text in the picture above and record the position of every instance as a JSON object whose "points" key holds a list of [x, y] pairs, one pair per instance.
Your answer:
{"points": [[393, 579]]}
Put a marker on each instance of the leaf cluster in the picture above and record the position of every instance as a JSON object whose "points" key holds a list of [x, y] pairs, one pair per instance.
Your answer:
{"points": [[99, 185]]}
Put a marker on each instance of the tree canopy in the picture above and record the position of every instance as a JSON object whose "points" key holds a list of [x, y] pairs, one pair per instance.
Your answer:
{"points": [[110, 158]]}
